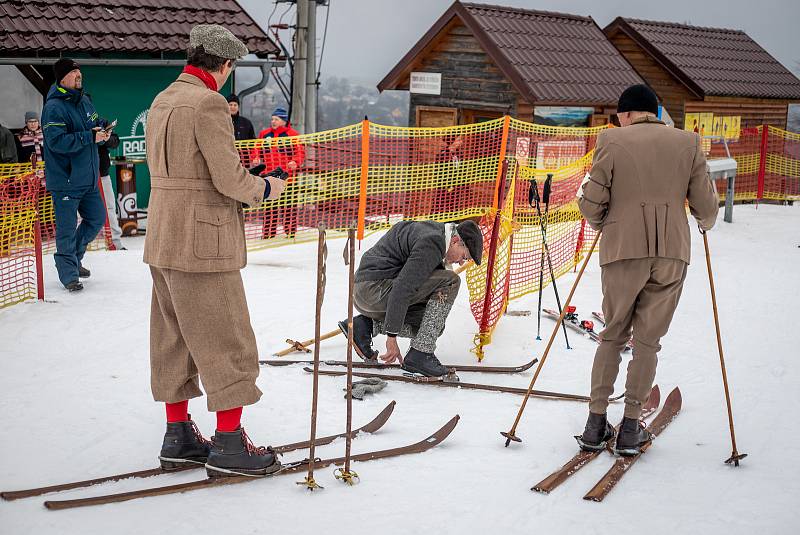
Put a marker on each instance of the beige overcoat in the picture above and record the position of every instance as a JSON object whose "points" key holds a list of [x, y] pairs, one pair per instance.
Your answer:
{"points": [[636, 192], [198, 185]]}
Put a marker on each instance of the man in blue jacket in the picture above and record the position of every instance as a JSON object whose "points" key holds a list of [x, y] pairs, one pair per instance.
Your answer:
{"points": [[71, 135]]}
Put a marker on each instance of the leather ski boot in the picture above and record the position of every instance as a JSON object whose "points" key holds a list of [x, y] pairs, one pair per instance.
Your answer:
{"points": [[632, 436], [426, 364], [183, 444], [233, 454], [362, 337], [596, 434]]}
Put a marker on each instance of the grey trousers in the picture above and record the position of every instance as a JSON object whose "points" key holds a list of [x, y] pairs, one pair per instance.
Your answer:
{"points": [[427, 312], [111, 208], [639, 294]]}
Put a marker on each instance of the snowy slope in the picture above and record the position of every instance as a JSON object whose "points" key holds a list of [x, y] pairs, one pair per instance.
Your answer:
{"points": [[76, 404]]}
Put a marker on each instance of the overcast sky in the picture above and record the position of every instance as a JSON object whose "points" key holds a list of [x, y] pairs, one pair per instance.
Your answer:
{"points": [[366, 38]]}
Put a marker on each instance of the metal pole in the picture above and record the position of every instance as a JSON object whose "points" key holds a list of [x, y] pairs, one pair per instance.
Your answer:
{"points": [[298, 117], [735, 455], [311, 68]]}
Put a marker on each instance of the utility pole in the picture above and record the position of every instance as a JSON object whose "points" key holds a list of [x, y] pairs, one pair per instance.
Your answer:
{"points": [[301, 49], [311, 66]]}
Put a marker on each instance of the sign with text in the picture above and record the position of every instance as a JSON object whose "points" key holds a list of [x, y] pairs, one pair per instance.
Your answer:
{"points": [[426, 83]]}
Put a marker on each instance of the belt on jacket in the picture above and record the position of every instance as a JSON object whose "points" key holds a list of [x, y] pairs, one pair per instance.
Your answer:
{"points": [[182, 183]]}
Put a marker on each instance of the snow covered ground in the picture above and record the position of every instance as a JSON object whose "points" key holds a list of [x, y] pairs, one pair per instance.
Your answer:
{"points": [[75, 403]]}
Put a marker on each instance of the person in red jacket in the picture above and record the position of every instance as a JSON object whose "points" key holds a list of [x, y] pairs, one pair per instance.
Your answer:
{"points": [[289, 158]]}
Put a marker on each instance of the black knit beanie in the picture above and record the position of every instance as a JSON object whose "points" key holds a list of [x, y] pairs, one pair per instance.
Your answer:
{"points": [[63, 67], [638, 98]]}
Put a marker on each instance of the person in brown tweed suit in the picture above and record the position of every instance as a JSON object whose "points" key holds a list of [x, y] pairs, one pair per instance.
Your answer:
{"points": [[199, 323], [642, 176]]}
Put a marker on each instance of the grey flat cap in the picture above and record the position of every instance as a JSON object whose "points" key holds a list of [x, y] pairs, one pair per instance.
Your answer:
{"points": [[217, 41]]}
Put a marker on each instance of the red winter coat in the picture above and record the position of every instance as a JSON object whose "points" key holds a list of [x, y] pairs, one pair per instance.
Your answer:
{"points": [[273, 157]]}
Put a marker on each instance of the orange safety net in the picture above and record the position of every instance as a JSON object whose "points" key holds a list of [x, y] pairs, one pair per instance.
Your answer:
{"points": [[18, 197]]}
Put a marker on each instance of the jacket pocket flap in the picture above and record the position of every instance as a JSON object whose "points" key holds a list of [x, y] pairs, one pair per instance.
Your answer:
{"points": [[213, 214]]}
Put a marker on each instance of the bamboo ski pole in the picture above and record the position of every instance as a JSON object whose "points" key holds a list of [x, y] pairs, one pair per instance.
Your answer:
{"points": [[533, 195], [735, 455], [303, 346], [322, 253], [510, 435], [345, 474]]}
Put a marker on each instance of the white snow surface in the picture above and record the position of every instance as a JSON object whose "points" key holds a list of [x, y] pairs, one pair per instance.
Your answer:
{"points": [[75, 403]]}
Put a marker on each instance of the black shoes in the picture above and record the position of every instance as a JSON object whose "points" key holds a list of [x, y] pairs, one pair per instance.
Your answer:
{"points": [[423, 363], [362, 337], [183, 444], [632, 436], [83, 272], [596, 434], [74, 286], [233, 454]]}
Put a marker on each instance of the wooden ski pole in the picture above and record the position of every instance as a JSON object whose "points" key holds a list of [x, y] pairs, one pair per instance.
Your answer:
{"points": [[510, 434], [735, 455], [322, 253], [303, 346], [345, 474]]}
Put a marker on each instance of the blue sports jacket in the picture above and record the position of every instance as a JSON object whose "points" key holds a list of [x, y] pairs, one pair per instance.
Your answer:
{"points": [[70, 153]]}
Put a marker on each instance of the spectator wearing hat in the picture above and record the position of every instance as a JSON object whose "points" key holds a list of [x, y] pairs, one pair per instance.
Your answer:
{"points": [[30, 139], [403, 289], [642, 176], [200, 327], [242, 127], [8, 146], [287, 156], [72, 170]]}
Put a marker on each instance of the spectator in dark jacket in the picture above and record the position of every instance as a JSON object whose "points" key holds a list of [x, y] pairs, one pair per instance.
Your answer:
{"points": [[72, 168], [242, 127], [403, 289], [30, 139], [8, 147]]}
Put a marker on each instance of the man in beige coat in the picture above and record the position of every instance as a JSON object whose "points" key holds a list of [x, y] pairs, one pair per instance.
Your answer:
{"points": [[199, 323], [641, 177]]}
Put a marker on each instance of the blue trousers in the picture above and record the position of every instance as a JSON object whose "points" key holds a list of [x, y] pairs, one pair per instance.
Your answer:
{"points": [[71, 238]]}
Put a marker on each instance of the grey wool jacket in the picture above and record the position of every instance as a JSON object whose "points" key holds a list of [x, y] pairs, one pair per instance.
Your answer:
{"points": [[409, 253]]}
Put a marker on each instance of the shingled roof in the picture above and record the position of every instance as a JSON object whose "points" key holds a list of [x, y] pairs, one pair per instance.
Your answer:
{"points": [[711, 61], [550, 57], [154, 26]]}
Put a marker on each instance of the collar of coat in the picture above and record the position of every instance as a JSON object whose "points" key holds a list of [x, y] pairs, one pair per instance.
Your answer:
{"points": [[648, 119]]}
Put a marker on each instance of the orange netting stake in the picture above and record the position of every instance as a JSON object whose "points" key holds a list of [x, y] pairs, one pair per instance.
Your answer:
{"points": [[362, 196]]}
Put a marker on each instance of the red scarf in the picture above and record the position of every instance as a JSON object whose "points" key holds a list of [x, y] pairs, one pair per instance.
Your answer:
{"points": [[203, 75]]}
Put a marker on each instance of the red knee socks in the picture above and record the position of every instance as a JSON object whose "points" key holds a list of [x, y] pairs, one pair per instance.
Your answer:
{"points": [[228, 420], [178, 412]]}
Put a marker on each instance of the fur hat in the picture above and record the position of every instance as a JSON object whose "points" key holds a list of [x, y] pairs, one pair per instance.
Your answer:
{"points": [[638, 97]]}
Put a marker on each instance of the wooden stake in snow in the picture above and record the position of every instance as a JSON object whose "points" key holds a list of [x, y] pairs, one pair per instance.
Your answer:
{"points": [[322, 254]]}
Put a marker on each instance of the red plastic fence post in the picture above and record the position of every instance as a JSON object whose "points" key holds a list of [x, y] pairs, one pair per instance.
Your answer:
{"points": [[493, 251], [762, 162]]}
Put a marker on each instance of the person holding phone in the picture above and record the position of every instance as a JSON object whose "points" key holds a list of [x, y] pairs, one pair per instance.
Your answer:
{"points": [[72, 170]]}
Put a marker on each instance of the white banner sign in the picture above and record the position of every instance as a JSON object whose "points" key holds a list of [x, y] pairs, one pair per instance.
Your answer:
{"points": [[426, 83]]}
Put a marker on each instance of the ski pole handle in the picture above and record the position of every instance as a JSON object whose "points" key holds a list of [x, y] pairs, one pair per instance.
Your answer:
{"points": [[546, 189], [533, 193]]}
